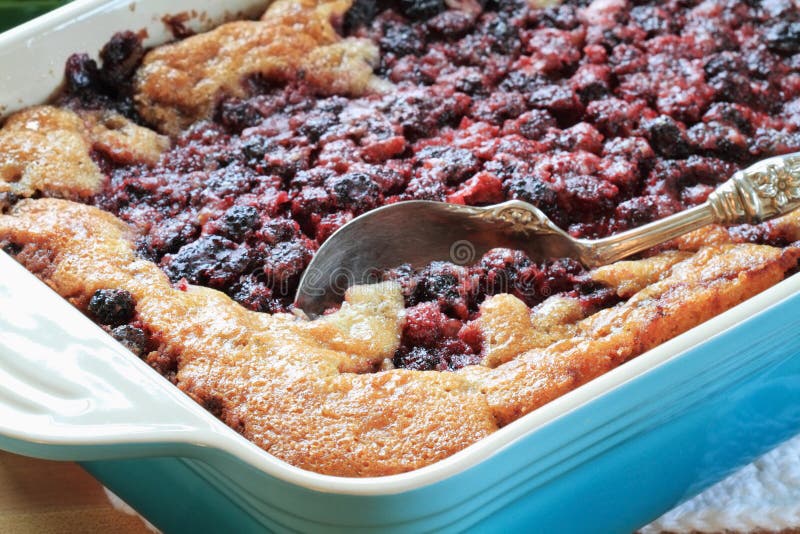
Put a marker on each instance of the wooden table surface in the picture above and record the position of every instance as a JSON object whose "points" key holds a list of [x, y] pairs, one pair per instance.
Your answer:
{"points": [[44, 497]]}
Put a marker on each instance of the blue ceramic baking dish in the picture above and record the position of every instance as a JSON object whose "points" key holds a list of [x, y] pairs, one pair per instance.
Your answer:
{"points": [[608, 457]]}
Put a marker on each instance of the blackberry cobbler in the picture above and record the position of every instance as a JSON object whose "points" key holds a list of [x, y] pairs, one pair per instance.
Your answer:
{"points": [[176, 196]]}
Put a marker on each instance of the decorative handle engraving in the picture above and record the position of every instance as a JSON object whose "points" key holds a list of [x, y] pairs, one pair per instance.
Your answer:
{"points": [[762, 191], [519, 217]]}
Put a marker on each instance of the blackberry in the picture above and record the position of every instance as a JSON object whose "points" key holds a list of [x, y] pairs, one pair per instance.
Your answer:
{"points": [[421, 9], [237, 221], [558, 99], [112, 307], [255, 148], [472, 83], [120, 56], [253, 294], [500, 270], [666, 137], [650, 19], [522, 82], [724, 62], [276, 230], [430, 285], [457, 164], [534, 191], [211, 260], [416, 359], [783, 37], [644, 209], [317, 124], [284, 265], [451, 24], [7, 201], [498, 107], [81, 73], [535, 123], [561, 17], [356, 191], [12, 249], [445, 284], [360, 13], [132, 338], [402, 41], [502, 32], [236, 114]]}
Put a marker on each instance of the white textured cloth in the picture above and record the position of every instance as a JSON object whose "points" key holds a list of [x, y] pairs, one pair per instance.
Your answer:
{"points": [[763, 496]]}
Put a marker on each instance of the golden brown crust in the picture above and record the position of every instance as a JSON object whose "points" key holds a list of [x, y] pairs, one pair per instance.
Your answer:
{"points": [[509, 328], [293, 387], [122, 140], [629, 277], [715, 279], [45, 149], [180, 83]]}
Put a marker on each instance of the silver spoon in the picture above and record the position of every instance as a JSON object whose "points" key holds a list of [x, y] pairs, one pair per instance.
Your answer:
{"points": [[419, 232]]}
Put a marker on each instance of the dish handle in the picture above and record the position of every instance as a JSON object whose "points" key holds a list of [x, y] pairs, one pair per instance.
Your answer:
{"points": [[68, 391]]}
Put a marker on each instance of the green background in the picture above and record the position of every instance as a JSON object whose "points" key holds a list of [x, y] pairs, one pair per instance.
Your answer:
{"points": [[16, 12]]}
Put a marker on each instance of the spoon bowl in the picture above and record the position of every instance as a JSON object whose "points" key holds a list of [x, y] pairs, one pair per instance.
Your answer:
{"points": [[418, 232]]}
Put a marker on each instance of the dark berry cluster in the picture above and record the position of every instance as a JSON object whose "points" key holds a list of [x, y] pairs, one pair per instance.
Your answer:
{"points": [[605, 115], [110, 84]]}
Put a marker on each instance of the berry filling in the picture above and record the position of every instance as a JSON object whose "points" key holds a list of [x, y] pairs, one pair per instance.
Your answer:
{"points": [[605, 116]]}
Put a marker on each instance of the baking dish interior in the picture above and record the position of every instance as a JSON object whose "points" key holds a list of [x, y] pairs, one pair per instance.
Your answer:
{"points": [[31, 60]]}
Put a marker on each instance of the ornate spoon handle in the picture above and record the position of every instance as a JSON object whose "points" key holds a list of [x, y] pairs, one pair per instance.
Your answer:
{"points": [[767, 189]]}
